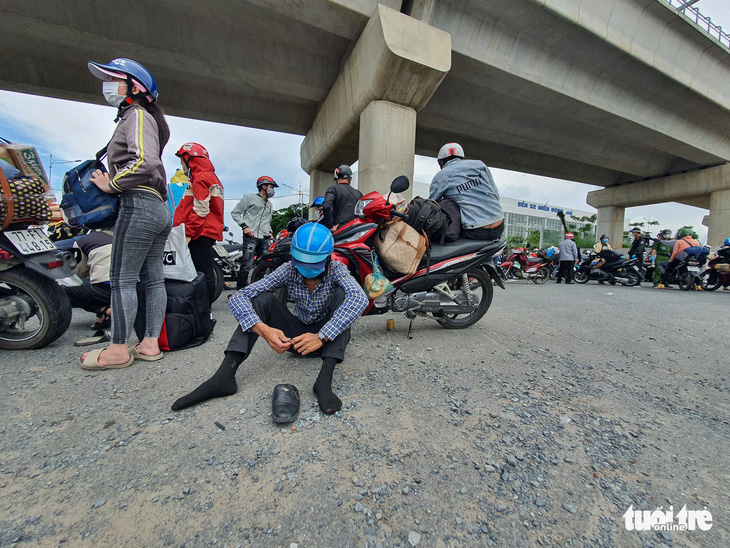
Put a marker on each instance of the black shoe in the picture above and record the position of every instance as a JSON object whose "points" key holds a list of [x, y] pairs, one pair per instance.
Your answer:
{"points": [[568, 283], [557, 282], [285, 403]]}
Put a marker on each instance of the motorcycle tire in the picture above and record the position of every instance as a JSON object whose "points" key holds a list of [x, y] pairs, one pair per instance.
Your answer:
{"points": [[478, 281], [262, 269], [48, 301], [710, 280], [541, 276], [581, 276], [685, 281], [632, 279], [220, 281]]}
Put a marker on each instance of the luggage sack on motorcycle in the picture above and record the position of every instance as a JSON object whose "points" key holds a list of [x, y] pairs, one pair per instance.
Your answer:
{"points": [[84, 203], [400, 246], [441, 221], [187, 317]]}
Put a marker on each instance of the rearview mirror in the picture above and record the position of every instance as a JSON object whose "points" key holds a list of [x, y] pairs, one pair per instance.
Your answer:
{"points": [[400, 184]]}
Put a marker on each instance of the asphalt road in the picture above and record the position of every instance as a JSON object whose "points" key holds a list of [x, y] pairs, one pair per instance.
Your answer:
{"points": [[541, 425]]}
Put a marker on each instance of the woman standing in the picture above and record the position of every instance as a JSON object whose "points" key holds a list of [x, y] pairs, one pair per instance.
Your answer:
{"points": [[137, 176], [201, 209]]}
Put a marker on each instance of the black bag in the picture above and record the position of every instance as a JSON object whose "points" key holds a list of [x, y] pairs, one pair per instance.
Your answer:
{"points": [[451, 228], [425, 216], [187, 318]]}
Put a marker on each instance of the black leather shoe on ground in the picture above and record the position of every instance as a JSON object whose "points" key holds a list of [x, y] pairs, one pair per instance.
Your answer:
{"points": [[285, 403]]}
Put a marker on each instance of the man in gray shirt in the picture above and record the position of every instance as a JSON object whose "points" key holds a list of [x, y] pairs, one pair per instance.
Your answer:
{"points": [[253, 214], [469, 183], [568, 257]]}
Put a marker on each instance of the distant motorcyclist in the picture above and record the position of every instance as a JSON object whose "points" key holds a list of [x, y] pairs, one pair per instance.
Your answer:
{"points": [[604, 252], [679, 253], [340, 199], [470, 184], [638, 245], [568, 257], [660, 252], [317, 206]]}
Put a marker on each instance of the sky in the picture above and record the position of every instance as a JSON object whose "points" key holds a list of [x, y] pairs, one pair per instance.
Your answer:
{"points": [[70, 132]]}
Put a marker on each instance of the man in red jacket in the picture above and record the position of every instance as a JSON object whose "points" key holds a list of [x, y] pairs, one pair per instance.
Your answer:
{"points": [[201, 209]]}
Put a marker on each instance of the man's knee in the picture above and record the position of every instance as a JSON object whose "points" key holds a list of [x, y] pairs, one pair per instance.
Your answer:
{"points": [[337, 298], [263, 302]]}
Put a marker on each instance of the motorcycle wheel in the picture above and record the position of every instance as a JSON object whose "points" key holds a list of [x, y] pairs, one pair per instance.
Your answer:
{"points": [[50, 307], [581, 276], [710, 279], [479, 284], [633, 279], [541, 276], [264, 268], [220, 281], [685, 281]]}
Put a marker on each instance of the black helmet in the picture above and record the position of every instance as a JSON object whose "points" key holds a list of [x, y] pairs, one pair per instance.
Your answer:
{"points": [[636, 229], [604, 237], [666, 233], [343, 172]]}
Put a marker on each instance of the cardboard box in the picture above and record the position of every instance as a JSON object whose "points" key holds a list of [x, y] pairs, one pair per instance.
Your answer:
{"points": [[26, 159]]}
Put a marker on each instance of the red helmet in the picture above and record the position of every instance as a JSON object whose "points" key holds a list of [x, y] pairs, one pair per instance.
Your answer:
{"points": [[192, 149], [265, 180], [569, 235]]}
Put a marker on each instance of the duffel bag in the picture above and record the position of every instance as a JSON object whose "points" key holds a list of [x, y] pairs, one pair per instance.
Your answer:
{"points": [[400, 246]]}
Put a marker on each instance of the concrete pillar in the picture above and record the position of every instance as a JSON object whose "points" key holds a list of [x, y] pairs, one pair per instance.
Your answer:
{"points": [[719, 219], [387, 146], [319, 182], [610, 221]]}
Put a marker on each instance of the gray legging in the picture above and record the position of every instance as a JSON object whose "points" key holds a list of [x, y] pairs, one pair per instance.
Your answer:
{"points": [[140, 233]]}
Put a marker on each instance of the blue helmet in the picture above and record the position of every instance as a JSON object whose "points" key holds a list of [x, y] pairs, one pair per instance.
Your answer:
{"points": [[126, 69], [318, 201], [311, 245], [726, 242]]}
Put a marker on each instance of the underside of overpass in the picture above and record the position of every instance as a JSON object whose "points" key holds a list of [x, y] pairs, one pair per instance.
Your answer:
{"points": [[627, 95]]}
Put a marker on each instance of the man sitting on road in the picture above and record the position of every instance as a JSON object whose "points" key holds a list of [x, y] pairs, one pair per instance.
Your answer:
{"points": [[327, 299]]}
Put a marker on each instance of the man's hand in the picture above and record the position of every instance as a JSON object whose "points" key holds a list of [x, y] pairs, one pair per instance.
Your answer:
{"points": [[334, 228], [307, 343], [275, 337]]}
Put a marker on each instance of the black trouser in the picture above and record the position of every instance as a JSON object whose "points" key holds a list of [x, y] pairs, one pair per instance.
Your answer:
{"points": [[275, 314], [565, 270], [252, 248], [494, 233], [201, 251], [90, 297], [671, 265]]}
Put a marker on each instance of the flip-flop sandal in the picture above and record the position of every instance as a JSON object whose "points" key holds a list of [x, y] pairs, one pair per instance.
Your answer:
{"points": [[99, 336], [91, 363], [144, 357]]}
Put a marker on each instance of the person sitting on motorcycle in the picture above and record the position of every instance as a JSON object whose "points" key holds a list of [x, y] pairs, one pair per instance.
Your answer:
{"points": [[660, 252], [470, 184], [253, 214], [638, 245], [340, 199], [724, 252], [328, 301], [603, 250], [679, 253], [317, 205]]}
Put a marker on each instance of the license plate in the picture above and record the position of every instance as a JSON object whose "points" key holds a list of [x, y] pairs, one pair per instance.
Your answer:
{"points": [[693, 269], [220, 251], [28, 242]]}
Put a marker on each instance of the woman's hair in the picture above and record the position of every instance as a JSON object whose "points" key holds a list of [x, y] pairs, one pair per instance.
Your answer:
{"points": [[159, 115]]}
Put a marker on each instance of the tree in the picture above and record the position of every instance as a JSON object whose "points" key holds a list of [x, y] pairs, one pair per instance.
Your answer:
{"points": [[514, 241], [281, 217], [533, 239]]}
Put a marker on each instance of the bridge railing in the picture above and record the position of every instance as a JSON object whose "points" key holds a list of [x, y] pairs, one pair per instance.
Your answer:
{"points": [[700, 20]]}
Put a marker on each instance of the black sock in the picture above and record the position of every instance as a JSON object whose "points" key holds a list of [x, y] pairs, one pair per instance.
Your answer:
{"points": [[222, 383], [328, 402]]}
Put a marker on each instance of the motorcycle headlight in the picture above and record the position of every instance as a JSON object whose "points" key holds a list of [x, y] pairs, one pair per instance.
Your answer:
{"points": [[360, 207], [353, 237]]}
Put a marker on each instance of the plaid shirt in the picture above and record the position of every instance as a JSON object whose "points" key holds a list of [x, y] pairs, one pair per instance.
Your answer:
{"points": [[309, 307]]}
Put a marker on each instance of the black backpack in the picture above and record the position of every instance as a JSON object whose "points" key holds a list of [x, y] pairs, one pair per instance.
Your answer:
{"points": [[441, 221], [451, 228], [187, 318]]}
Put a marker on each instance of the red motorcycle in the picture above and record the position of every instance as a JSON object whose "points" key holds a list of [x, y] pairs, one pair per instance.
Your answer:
{"points": [[718, 271], [455, 287], [521, 266]]}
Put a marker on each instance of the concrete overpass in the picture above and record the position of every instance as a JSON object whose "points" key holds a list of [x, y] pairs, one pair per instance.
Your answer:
{"points": [[626, 94]]}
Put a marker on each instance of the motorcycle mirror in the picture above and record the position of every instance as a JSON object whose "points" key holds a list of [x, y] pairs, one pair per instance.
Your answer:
{"points": [[399, 184]]}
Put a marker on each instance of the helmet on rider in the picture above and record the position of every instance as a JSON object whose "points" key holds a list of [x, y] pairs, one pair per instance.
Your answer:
{"points": [[603, 238], [666, 234], [684, 232], [569, 235], [636, 229], [726, 241], [343, 172], [318, 201], [132, 72], [448, 152], [191, 149], [311, 247]]}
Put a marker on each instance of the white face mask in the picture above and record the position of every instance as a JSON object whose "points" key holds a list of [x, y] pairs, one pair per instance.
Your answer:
{"points": [[111, 93], [270, 193]]}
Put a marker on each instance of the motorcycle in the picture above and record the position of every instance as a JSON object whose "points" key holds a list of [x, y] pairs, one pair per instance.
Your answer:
{"points": [[686, 275], [34, 309], [227, 261], [621, 270], [717, 272], [520, 265], [453, 284]]}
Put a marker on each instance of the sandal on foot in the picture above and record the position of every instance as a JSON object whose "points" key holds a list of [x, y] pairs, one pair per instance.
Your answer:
{"points": [[285, 403], [91, 363], [99, 336], [144, 357]]}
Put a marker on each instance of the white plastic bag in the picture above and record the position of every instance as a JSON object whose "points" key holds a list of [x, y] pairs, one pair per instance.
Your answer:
{"points": [[177, 262]]}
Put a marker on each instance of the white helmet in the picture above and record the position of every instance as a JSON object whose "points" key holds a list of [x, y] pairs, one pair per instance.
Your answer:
{"points": [[450, 150]]}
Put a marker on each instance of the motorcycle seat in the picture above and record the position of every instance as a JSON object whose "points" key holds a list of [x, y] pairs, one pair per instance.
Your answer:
{"points": [[462, 246]]}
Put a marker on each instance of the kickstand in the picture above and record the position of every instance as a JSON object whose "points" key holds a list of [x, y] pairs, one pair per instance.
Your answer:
{"points": [[411, 316]]}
